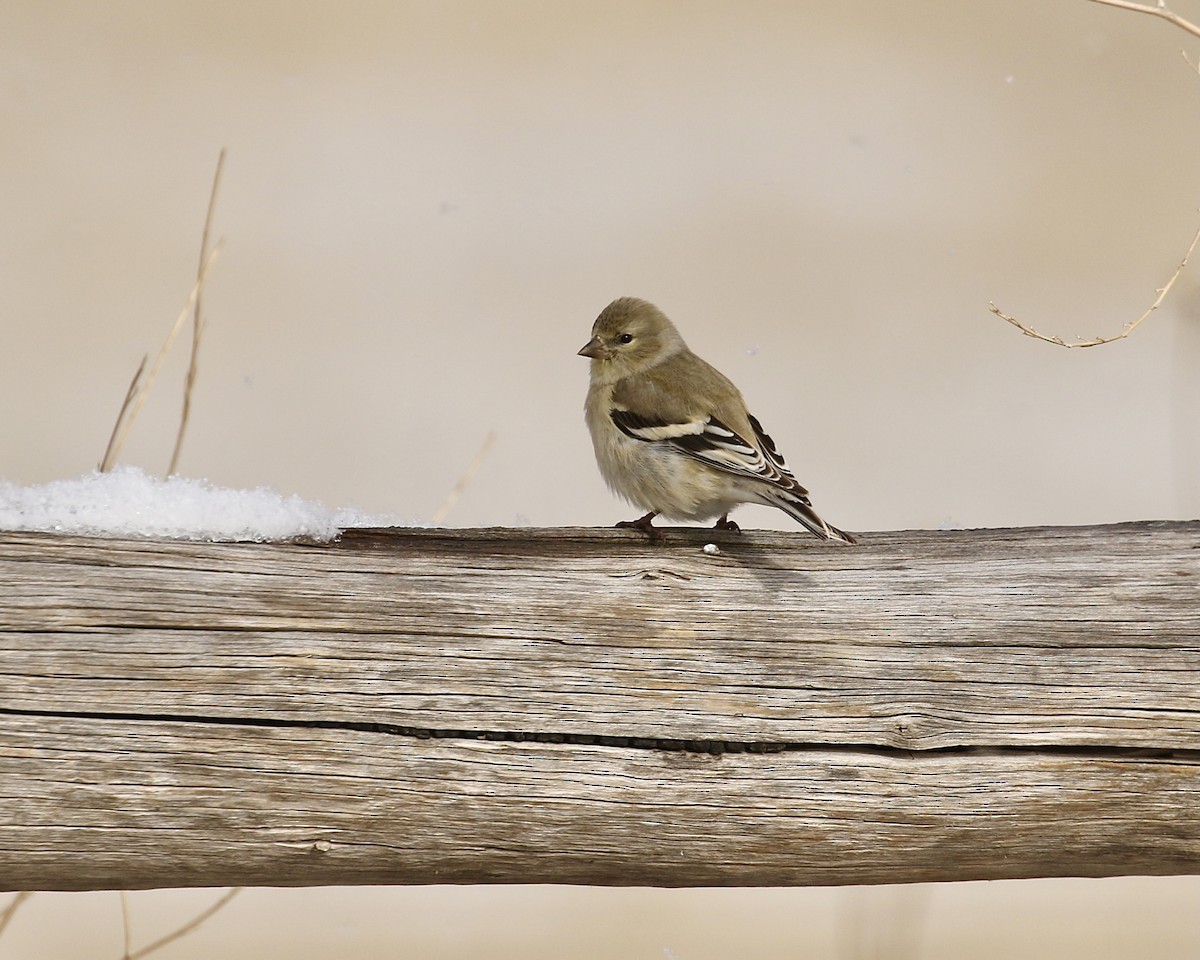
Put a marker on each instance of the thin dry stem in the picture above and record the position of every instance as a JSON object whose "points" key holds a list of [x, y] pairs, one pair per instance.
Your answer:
{"points": [[1155, 11], [140, 388], [197, 319], [452, 497], [126, 926], [110, 455], [10, 911], [1126, 330], [186, 928]]}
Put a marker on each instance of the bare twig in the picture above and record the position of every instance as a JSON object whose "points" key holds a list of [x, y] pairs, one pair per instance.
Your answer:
{"points": [[1126, 330], [1159, 10], [140, 388], [186, 928], [10, 911], [452, 497], [197, 320]]}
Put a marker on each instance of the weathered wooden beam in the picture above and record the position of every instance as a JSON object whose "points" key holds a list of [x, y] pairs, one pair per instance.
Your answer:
{"points": [[581, 706]]}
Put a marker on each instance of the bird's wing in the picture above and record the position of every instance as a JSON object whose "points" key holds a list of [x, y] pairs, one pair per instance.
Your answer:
{"points": [[774, 457], [692, 407], [712, 442]]}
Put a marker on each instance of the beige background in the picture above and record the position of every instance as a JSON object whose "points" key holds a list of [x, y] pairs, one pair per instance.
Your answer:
{"points": [[426, 204]]}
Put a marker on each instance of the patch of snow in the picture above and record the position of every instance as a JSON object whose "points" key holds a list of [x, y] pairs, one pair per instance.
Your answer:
{"points": [[130, 503]]}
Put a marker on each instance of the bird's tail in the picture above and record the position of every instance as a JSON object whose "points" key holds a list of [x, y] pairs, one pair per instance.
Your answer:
{"points": [[798, 508]]}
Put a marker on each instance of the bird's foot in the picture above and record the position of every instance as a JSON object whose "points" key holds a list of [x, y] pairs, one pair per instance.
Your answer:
{"points": [[645, 524], [726, 524]]}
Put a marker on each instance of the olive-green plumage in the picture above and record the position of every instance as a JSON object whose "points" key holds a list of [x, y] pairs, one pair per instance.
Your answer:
{"points": [[672, 434]]}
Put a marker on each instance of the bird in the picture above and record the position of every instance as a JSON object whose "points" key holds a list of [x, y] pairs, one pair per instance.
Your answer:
{"points": [[672, 434]]}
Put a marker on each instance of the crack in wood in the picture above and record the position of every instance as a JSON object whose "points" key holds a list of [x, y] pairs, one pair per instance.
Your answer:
{"points": [[714, 747]]}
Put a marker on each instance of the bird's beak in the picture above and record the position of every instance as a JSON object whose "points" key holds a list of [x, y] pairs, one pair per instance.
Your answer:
{"points": [[594, 349]]}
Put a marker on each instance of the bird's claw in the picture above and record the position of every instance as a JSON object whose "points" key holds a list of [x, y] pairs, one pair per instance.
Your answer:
{"points": [[645, 524]]}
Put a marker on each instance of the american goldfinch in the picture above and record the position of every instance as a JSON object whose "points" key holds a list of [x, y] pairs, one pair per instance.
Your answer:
{"points": [[672, 434]]}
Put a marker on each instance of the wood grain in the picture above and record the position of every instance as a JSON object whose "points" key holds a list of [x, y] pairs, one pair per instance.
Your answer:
{"points": [[581, 706]]}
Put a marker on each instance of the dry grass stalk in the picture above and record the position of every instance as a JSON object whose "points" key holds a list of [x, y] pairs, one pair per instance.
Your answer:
{"points": [[126, 926], [452, 497], [197, 319], [106, 463], [1125, 331], [183, 930], [139, 389], [10, 911]]}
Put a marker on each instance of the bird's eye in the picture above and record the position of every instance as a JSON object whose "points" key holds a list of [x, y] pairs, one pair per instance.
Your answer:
{"points": [[625, 338]]}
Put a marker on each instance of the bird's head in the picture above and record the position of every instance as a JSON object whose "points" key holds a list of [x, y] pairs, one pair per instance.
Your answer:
{"points": [[630, 335]]}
